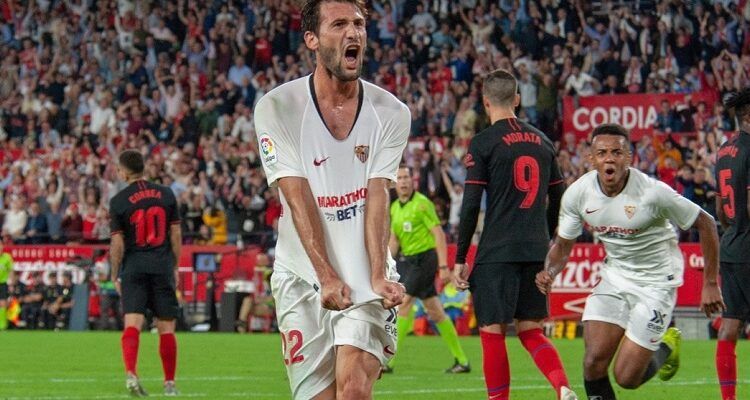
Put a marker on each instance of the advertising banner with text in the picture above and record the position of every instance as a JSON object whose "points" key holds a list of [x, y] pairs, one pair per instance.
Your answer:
{"points": [[636, 112], [567, 299], [573, 285], [76, 259]]}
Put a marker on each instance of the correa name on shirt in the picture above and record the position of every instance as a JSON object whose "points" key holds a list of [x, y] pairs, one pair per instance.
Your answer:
{"points": [[144, 194]]}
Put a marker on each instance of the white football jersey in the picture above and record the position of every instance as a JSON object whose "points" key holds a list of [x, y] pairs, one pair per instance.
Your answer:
{"points": [[634, 226], [295, 142]]}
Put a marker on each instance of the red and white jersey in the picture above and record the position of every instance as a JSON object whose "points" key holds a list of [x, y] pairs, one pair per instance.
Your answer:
{"points": [[634, 226], [295, 142]]}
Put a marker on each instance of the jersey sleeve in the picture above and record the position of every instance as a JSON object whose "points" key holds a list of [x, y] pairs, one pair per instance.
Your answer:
{"points": [[115, 224], [675, 207], [555, 176], [429, 216], [278, 146], [388, 154], [570, 222], [173, 210], [476, 165]]}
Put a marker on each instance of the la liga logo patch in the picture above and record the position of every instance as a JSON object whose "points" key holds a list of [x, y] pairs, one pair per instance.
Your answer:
{"points": [[267, 149]]}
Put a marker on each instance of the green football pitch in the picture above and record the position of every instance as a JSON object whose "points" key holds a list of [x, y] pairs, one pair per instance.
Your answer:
{"points": [[57, 365]]}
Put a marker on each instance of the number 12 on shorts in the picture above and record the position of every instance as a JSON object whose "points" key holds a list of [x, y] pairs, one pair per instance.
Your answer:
{"points": [[292, 341]]}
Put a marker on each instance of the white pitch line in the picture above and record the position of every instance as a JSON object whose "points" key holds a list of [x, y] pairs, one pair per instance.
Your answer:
{"points": [[113, 379], [702, 382]]}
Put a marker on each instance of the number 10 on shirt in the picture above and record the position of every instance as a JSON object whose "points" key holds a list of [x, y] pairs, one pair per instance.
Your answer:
{"points": [[150, 226]]}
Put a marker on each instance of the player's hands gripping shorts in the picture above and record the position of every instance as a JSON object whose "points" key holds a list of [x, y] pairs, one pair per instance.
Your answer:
{"points": [[310, 333]]}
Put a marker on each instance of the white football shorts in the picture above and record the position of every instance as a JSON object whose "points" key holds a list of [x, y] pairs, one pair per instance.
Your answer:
{"points": [[310, 333], [643, 311]]}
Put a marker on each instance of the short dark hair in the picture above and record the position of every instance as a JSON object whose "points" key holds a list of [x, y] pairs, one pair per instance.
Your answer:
{"points": [[406, 167], [500, 87], [131, 160], [611, 129], [739, 101], [311, 13]]}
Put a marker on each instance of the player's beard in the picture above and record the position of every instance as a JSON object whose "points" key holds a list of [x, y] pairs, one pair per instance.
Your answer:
{"points": [[333, 62]]}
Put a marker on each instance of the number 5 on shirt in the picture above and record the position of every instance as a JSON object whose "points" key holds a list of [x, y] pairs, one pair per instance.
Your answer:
{"points": [[727, 192]]}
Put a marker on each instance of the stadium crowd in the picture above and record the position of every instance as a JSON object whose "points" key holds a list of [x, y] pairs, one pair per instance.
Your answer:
{"points": [[82, 80]]}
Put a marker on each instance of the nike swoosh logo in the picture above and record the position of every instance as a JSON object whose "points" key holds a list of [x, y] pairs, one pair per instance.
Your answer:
{"points": [[592, 211], [387, 350], [317, 163]]}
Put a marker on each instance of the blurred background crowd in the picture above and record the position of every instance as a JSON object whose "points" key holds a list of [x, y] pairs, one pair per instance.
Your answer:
{"points": [[81, 80]]}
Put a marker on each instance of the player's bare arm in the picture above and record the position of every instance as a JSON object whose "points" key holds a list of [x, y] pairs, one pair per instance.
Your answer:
{"points": [[175, 239], [720, 212], [447, 180], [442, 252], [376, 239], [393, 245], [116, 253], [335, 294], [557, 257], [711, 299], [466, 227]]}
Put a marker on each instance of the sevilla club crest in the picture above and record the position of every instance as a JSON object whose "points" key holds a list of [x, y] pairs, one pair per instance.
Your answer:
{"points": [[362, 152], [630, 211]]}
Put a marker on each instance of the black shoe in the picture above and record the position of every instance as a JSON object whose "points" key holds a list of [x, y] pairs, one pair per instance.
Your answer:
{"points": [[457, 368]]}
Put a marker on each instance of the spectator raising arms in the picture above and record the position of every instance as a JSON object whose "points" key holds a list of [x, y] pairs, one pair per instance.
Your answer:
{"points": [[179, 81]]}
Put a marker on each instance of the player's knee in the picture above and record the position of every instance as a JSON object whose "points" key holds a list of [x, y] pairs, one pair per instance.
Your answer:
{"points": [[727, 335], [628, 381], [354, 389], [436, 315], [729, 331], [595, 363]]}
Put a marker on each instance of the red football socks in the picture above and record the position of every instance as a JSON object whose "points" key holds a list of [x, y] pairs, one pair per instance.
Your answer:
{"points": [[726, 367], [545, 356], [495, 364], [168, 352], [129, 344]]}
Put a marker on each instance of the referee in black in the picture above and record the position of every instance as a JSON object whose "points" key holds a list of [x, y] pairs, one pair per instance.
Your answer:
{"points": [[515, 164], [146, 242]]}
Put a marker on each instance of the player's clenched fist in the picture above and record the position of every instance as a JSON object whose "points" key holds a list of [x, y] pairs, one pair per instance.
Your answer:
{"points": [[335, 294], [392, 292], [544, 281], [711, 299]]}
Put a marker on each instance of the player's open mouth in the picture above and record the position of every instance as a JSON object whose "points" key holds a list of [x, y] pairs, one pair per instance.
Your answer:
{"points": [[351, 55], [609, 172]]}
